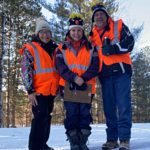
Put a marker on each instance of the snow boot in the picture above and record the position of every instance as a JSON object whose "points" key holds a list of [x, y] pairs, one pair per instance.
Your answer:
{"points": [[84, 134], [109, 145], [124, 145], [73, 139]]}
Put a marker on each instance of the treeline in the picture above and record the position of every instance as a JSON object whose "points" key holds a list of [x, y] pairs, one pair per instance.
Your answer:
{"points": [[17, 23]]}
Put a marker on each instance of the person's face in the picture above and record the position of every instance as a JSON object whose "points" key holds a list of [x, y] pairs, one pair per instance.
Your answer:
{"points": [[45, 35], [76, 33], [100, 19]]}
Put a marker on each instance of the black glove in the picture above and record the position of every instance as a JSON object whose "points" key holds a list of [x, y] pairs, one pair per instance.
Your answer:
{"points": [[74, 86], [109, 49]]}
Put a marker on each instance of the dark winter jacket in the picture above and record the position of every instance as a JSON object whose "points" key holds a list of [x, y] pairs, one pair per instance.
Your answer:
{"points": [[124, 46]]}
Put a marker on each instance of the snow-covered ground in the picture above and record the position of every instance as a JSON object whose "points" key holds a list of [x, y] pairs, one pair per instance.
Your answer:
{"points": [[17, 138]]}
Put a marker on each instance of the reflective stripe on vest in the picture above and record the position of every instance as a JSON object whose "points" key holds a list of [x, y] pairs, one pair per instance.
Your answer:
{"points": [[78, 66], [37, 61], [116, 34]]}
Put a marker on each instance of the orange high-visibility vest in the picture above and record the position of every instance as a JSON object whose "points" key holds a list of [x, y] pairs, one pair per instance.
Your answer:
{"points": [[78, 64], [114, 35], [45, 78]]}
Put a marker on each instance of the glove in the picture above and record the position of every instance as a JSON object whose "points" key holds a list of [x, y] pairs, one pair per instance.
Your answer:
{"points": [[109, 49], [74, 86]]}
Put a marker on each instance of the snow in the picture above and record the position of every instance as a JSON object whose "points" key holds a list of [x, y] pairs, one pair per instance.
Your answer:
{"points": [[17, 138]]}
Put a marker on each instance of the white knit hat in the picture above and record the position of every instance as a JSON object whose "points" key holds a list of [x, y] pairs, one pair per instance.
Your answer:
{"points": [[41, 24]]}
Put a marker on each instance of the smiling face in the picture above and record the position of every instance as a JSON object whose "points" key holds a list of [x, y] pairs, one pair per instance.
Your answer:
{"points": [[76, 33], [45, 35], [100, 19]]}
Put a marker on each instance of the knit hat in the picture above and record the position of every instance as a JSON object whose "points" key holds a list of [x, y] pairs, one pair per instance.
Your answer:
{"points": [[75, 20], [41, 24], [98, 7]]}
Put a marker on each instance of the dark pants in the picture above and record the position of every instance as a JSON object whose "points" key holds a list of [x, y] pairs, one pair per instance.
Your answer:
{"points": [[78, 116], [40, 126], [116, 92]]}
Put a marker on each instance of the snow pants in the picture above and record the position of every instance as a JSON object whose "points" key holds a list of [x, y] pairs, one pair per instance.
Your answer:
{"points": [[40, 125], [78, 116]]}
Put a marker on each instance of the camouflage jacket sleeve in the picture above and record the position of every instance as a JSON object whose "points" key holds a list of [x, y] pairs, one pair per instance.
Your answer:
{"points": [[27, 71]]}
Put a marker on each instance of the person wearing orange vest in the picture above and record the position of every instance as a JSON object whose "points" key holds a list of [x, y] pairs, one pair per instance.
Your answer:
{"points": [[77, 63], [41, 82], [114, 43]]}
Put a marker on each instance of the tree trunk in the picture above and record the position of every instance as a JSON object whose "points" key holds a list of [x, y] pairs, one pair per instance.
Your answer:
{"points": [[7, 110], [1, 65], [1, 100], [13, 114]]}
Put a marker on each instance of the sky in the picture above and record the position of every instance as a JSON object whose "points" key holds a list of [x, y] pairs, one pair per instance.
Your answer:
{"points": [[17, 138], [134, 13]]}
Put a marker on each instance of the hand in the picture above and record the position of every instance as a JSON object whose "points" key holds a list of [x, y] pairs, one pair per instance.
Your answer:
{"points": [[79, 81], [32, 99], [108, 50]]}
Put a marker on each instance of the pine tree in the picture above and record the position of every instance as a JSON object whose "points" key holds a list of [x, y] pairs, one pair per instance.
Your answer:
{"points": [[20, 16], [2, 38], [59, 24], [141, 86]]}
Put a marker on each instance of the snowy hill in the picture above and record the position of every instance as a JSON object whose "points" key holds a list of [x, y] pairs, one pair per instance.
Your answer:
{"points": [[17, 138]]}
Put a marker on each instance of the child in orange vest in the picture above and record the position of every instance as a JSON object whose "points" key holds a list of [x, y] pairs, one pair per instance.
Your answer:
{"points": [[77, 63]]}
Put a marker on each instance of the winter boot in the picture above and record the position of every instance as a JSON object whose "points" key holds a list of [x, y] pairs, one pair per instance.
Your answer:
{"points": [[84, 134], [73, 139], [124, 145], [109, 145]]}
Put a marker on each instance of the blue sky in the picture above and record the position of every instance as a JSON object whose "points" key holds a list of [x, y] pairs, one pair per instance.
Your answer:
{"points": [[133, 13]]}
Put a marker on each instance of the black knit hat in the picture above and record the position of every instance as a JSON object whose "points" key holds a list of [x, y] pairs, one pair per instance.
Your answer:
{"points": [[75, 20], [98, 7]]}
